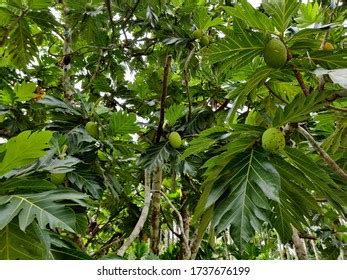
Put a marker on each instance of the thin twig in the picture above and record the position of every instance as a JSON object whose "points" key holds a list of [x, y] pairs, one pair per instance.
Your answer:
{"points": [[223, 106], [109, 11], [324, 155], [163, 97]]}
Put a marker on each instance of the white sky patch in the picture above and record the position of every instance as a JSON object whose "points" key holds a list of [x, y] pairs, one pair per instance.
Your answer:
{"points": [[256, 3]]}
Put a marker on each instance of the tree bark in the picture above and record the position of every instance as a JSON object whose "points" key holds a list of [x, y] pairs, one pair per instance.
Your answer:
{"points": [[143, 217], [185, 250], [299, 245], [155, 219]]}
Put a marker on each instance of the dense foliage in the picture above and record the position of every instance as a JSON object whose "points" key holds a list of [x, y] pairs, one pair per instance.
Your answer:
{"points": [[133, 128]]}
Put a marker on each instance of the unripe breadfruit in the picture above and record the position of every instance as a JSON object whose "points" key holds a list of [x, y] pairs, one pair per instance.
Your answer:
{"points": [[175, 140], [92, 129], [197, 34], [273, 140], [328, 46], [205, 41], [57, 178], [275, 53]]}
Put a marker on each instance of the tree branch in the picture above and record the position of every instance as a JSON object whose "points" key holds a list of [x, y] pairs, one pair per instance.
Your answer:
{"points": [[143, 217], [109, 11], [181, 223], [163, 97], [186, 81], [324, 155], [343, 110]]}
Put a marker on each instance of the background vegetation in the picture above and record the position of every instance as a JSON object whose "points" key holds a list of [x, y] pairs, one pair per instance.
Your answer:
{"points": [[90, 91]]}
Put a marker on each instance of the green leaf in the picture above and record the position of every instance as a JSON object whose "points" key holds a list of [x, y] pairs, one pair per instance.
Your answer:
{"points": [[296, 201], [25, 185], [123, 123], [45, 20], [281, 11], [7, 97], [76, 4], [24, 149], [245, 11], [322, 184], [241, 93], [244, 190], [63, 249], [24, 91], [18, 245], [309, 13], [85, 180], [330, 59], [155, 156], [215, 165], [300, 108], [237, 49], [203, 142], [39, 4], [202, 19], [174, 112], [21, 46], [6, 16], [43, 207]]}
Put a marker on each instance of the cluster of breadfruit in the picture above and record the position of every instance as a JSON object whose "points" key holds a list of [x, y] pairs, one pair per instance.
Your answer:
{"points": [[198, 34]]}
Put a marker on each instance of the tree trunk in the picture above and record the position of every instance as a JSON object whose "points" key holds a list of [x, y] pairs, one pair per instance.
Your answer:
{"points": [[155, 219], [299, 245], [143, 217], [185, 250]]}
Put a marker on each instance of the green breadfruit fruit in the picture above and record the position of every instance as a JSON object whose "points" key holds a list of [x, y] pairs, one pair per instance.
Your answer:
{"points": [[57, 178], [175, 140], [275, 53], [205, 41], [273, 140], [92, 129], [197, 34]]}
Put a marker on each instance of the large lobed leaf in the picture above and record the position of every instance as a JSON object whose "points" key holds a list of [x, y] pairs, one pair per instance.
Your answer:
{"points": [[242, 195], [18, 245], [24, 149], [44, 207], [21, 45], [245, 11], [155, 156], [237, 49], [300, 108], [123, 123], [281, 12]]}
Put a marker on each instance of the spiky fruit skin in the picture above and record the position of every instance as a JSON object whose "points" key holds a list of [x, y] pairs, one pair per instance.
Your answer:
{"points": [[57, 178], [197, 34], [92, 129], [205, 41], [273, 140], [175, 140], [275, 53], [328, 46]]}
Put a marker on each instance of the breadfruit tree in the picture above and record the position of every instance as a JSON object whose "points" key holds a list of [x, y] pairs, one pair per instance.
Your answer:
{"points": [[174, 129]]}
